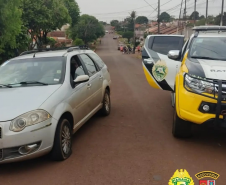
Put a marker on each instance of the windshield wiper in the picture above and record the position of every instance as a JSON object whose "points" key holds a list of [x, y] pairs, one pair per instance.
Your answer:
{"points": [[29, 82], [208, 58], [3, 85]]}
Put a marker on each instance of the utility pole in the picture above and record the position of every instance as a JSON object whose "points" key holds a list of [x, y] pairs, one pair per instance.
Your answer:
{"points": [[178, 23], [184, 24], [195, 13], [206, 11], [222, 12], [158, 16]]}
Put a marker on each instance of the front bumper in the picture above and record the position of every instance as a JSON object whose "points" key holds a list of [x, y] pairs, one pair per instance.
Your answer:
{"points": [[40, 135], [190, 104]]}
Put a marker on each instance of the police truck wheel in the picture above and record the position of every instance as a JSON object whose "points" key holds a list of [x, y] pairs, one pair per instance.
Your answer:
{"points": [[181, 128]]}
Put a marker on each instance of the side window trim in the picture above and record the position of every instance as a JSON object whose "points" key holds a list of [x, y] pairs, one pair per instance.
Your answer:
{"points": [[84, 68], [83, 64], [101, 61], [184, 49], [96, 65]]}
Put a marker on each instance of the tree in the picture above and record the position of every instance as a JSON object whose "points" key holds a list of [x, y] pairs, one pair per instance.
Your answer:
{"points": [[132, 20], [73, 10], [164, 17], [78, 42], [202, 17], [41, 17], [87, 29], [201, 22], [210, 19], [128, 35], [141, 20], [104, 23], [10, 23], [195, 15], [114, 23], [218, 19]]}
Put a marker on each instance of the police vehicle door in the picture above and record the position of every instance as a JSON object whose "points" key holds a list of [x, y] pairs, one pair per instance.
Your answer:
{"points": [[159, 70]]}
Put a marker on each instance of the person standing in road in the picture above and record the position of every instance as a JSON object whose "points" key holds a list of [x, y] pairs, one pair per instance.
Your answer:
{"points": [[138, 49]]}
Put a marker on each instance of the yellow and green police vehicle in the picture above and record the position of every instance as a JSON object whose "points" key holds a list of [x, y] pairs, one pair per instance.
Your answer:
{"points": [[194, 71]]}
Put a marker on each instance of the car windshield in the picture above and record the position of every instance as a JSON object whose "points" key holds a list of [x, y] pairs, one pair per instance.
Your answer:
{"points": [[213, 48], [35, 71]]}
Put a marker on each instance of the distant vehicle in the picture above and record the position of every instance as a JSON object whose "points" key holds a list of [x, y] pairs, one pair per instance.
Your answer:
{"points": [[106, 31], [115, 37], [46, 97]]}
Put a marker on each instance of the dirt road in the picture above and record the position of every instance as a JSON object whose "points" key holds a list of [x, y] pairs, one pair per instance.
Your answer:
{"points": [[133, 146]]}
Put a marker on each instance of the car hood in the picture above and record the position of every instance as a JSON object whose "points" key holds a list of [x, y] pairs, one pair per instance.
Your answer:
{"points": [[214, 69], [17, 101]]}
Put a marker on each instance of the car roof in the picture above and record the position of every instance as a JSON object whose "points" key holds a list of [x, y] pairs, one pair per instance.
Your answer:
{"points": [[57, 53]]}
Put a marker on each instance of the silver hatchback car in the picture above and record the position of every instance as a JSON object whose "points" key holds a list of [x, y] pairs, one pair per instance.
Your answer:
{"points": [[46, 97]]}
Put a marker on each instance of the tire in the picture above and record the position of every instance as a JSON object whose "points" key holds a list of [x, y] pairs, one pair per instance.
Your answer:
{"points": [[106, 109], [181, 128], [63, 132]]}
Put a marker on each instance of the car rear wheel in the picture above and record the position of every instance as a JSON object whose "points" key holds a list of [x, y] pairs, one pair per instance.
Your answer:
{"points": [[62, 147], [181, 128], [106, 109]]}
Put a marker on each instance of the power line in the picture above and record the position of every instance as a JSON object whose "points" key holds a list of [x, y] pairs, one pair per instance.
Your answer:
{"points": [[120, 11], [157, 7], [149, 4]]}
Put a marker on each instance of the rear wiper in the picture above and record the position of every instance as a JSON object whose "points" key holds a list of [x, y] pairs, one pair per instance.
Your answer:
{"points": [[208, 58], [29, 82], [3, 85]]}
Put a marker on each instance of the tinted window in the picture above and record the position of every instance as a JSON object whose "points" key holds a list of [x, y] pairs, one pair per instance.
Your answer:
{"points": [[97, 59], [164, 44], [212, 47], [89, 65]]}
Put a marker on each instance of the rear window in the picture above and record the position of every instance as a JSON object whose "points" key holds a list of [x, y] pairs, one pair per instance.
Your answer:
{"points": [[97, 59], [164, 44]]}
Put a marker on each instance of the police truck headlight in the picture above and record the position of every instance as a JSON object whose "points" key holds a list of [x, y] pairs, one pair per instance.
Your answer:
{"points": [[198, 84], [28, 119]]}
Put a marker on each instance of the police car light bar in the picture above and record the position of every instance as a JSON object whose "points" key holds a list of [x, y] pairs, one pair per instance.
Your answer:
{"points": [[209, 28]]}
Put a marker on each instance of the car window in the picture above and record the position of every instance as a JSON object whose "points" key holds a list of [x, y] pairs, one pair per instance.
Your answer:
{"points": [[211, 47], [76, 69], [164, 44], [46, 70], [97, 59], [91, 68]]}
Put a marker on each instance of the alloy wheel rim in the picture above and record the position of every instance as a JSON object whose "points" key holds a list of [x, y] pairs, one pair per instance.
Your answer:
{"points": [[66, 140], [107, 102]]}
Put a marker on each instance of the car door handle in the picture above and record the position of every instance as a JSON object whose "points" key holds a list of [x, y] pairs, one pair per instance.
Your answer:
{"points": [[89, 86]]}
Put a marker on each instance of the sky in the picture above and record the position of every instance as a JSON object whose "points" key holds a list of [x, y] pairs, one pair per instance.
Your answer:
{"points": [[107, 10]]}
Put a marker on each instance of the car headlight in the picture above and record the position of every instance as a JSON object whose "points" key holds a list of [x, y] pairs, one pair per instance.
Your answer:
{"points": [[28, 119], [198, 84]]}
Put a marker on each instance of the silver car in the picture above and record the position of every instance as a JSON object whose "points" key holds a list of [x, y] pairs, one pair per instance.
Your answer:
{"points": [[46, 97]]}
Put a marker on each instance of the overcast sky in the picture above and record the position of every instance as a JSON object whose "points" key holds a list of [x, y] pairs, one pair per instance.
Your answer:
{"points": [[107, 10]]}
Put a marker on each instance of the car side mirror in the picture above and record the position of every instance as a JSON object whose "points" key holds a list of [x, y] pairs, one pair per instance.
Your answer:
{"points": [[174, 54], [81, 79]]}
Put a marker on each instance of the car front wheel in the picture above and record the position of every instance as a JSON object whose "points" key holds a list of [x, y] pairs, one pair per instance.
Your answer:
{"points": [[106, 109], [62, 147]]}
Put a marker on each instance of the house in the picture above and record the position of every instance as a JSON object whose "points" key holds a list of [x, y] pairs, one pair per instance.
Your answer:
{"points": [[60, 37]]}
